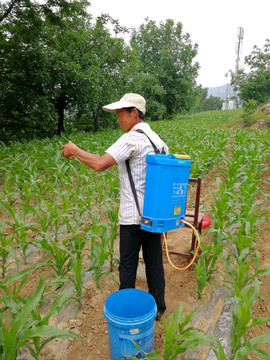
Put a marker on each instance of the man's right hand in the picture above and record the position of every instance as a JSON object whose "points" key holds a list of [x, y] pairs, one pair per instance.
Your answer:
{"points": [[68, 150]]}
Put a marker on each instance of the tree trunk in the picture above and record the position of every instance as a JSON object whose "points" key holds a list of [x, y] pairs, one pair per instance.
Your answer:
{"points": [[60, 107], [95, 123], [95, 118]]}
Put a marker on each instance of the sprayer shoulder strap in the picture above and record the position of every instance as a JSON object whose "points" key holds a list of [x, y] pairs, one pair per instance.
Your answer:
{"points": [[133, 186], [157, 151]]}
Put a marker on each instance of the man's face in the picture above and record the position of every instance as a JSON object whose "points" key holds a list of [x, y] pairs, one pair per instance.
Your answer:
{"points": [[124, 119]]}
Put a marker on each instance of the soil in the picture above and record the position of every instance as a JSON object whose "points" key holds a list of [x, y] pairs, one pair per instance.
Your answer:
{"points": [[90, 323], [260, 124]]}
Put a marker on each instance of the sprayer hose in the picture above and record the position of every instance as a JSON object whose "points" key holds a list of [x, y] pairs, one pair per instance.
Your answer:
{"points": [[196, 252]]}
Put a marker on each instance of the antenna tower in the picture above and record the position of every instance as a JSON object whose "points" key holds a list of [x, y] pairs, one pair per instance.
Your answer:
{"points": [[238, 48]]}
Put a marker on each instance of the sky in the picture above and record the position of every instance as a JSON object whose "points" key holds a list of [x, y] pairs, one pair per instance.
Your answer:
{"points": [[212, 24]]}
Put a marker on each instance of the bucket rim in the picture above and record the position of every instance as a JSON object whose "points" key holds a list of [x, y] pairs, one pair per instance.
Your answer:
{"points": [[134, 321]]}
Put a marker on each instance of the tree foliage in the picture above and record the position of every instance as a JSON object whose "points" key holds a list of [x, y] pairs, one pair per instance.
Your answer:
{"points": [[167, 55], [256, 83], [58, 66], [205, 103]]}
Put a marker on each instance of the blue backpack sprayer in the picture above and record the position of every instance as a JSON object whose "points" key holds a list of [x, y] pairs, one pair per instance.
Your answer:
{"points": [[166, 186], [165, 196]]}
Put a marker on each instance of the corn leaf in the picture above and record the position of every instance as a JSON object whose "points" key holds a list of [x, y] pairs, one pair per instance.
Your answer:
{"points": [[252, 345]]}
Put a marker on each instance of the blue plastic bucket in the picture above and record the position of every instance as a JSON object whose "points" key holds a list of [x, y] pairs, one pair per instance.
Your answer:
{"points": [[130, 315], [165, 196]]}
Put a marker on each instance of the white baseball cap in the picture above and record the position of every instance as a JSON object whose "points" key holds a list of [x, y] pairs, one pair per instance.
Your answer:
{"points": [[128, 100]]}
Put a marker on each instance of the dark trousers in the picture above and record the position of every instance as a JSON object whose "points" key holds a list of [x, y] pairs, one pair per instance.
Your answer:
{"points": [[132, 237]]}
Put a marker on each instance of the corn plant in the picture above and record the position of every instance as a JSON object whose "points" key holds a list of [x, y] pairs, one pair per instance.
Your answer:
{"points": [[249, 217], [8, 191], [99, 254], [56, 218], [77, 243], [86, 200], [20, 228], [100, 190], [227, 169], [42, 217], [243, 322], [25, 323], [242, 269], [77, 278], [11, 287], [112, 213], [13, 278], [179, 337], [59, 260], [6, 249], [223, 205], [205, 267]]}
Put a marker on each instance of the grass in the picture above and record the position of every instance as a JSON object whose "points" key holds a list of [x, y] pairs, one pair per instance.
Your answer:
{"points": [[244, 118]]}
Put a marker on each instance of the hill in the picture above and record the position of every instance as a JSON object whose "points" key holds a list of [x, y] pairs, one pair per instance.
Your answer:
{"points": [[220, 91]]}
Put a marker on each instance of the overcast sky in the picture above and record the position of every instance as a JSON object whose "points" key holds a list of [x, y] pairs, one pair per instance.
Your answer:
{"points": [[212, 24]]}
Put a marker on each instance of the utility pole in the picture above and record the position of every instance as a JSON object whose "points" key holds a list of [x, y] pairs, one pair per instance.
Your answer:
{"points": [[238, 50], [238, 47], [229, 104]]}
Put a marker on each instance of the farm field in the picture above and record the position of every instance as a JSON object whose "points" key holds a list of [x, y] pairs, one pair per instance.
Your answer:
{"points": [[59, 233]]}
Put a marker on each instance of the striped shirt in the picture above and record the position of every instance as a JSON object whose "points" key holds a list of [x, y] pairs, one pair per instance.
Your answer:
{"points": [[133, 146]]}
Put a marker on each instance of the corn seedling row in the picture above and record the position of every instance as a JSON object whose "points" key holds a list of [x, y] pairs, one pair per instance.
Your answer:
{"points": [[57, 205], [236, 214]]}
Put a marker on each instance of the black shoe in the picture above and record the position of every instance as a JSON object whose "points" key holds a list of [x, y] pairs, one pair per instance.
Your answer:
{"points": [[159, 315]]}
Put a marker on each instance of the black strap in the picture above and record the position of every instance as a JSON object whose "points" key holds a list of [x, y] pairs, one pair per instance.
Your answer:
{"points": [[157, 151], [132, 186]]}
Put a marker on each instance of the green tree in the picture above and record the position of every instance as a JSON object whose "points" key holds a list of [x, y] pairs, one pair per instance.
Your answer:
{"points": [[204, 103], [167, 55], [149, 86], [212, 103], [107, 65], [256, 83], [200, 95], [21, 50], [55, 65]]}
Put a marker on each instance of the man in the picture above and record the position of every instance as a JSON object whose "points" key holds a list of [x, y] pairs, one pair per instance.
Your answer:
{"points": [[133, 145]]}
